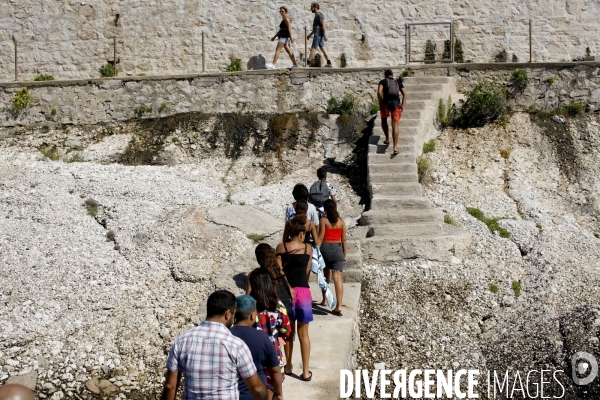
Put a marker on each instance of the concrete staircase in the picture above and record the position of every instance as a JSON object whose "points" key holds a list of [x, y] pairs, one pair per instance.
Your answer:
{"points": [[402, 223]]}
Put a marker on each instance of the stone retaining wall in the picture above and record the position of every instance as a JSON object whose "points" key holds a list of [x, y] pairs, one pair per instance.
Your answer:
{"points": [[74, 39], [115, 99]]}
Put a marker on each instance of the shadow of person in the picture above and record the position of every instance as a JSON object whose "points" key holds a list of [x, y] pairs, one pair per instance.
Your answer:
{"points": [[241, 280], [256, 62]]}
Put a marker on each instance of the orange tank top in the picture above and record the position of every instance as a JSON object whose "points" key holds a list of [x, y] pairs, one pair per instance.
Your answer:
{"points": [[333, 235]]}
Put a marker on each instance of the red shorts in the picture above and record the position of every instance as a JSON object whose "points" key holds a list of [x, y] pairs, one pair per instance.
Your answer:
{"points": [[396, 113]]}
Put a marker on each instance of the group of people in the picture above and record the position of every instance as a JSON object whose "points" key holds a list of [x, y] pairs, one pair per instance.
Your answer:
{"points": [[244, 347], [285, 38]]}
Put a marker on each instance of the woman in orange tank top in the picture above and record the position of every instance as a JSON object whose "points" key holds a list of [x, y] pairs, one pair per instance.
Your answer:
{"points": [[332, 236]]}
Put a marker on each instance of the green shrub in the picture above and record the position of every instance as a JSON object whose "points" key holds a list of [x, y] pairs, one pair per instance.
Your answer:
{"points": [[53, 112], [519, 80], [234, 66], [492, 223], [550, 81], [423, 167], [141, 110], [575, 108], [484, 104], [43, 78], [539, 226], [373, 108], [108, 70], [574, 81], [516, 287], [347, 105], [505, 154], [50, 152], [162, 107], [406, 72], [444, 114], [21, 100], [242, 203], [458, 52], [448, 219], [255, 237], [141, 74], [77, 157], [494, 288], [92, 211], [175, 139], [429, 53], [429, 146]]}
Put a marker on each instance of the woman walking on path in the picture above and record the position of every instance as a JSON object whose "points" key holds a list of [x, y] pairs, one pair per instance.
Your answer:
{"points": [[312, 235], [332, 235], [271, 263], [296, 258], [272, 317], [285, 38]]}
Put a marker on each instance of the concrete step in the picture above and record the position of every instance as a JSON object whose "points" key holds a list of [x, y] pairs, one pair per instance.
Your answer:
{"points": [[387, 148], [387, 178], [380, 202], [403, 149], [403, 157], [353, 246], [423, 87], [397, 189], [423, 96], [409, 123], [354, 260], [395, 168], [410, 114], [413, 105], [404, 130], [437, 247], [410, 80], [374, 217], [399, 231]]}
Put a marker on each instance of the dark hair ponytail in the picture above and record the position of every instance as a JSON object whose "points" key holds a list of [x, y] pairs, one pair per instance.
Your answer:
{"points": [[262, 290], [331, 211]]}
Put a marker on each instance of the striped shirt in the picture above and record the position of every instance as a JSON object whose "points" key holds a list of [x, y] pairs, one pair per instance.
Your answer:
{"points": [[211, 359]]}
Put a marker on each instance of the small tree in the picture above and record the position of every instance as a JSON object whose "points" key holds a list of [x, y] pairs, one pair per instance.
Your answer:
{"points": [[458, 51], [429, 51], [484, 104]]}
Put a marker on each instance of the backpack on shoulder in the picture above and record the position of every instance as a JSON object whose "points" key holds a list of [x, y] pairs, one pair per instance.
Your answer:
{"points": [[391, 89], [318, 193]]}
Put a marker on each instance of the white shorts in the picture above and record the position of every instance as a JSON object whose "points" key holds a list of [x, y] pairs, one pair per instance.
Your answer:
{"points": [[285, 40]]}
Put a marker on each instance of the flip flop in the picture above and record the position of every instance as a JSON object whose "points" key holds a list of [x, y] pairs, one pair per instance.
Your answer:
{"points": [[337, 313], [395, 152], [386, 142], [306, 379]]}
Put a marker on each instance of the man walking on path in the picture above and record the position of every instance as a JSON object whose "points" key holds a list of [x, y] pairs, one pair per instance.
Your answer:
{"points": [[211, 359], [261, 347], [388, 94], [320, 34], [321, 190]]}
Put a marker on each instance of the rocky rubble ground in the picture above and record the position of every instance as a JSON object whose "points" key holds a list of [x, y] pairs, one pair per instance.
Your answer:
{"points": [[529, 301], [103, 264]]}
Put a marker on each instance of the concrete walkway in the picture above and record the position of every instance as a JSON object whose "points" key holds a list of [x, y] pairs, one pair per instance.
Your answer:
{"points": [[331, 346]]}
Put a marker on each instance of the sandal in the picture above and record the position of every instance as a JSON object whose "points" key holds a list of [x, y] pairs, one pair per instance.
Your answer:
{"points": [[386, 142], [306, 379], [337, 313], [395, 152]]}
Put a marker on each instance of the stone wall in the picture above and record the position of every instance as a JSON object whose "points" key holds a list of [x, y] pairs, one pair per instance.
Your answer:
{"points": [[73, 39], [120, 99]]}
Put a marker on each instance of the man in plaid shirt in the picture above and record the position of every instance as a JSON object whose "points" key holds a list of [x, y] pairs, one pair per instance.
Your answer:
{"points": [[210, 358]]}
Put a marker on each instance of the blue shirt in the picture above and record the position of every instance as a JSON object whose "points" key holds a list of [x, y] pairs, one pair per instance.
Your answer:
{"points": [[263, 354]]}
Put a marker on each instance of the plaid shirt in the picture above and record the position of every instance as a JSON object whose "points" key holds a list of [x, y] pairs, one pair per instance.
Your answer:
{"points": [[211, 359]]}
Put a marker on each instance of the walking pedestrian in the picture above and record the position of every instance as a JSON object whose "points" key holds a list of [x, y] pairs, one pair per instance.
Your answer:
{"points": [[272, 317], [388, 94], [312, 235], [320, 191], [285, 39], [319, 32], [262, 350], [332, 233], [300, 192], [296, 258], [211, 359]]}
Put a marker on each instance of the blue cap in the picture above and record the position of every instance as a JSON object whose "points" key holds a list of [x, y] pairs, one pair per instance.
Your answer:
{"points": [[245, 303]]}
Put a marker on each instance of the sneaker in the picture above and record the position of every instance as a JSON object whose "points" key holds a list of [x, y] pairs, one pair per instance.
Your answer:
{"points": [[270, 66], [328, 65], [295, 66]]}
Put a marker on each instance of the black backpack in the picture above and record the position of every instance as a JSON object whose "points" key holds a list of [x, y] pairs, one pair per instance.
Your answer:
{"points": [[391, 90], [319, 192]]}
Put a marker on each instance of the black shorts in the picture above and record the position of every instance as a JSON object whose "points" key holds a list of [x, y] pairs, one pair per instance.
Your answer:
{"points": [[333, 255]]}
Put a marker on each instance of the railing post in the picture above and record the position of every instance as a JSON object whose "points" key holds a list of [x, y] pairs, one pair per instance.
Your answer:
{"points": [[115, 54], [16, 62], [405, 44], [305, 46], [530, 52], [452, 41], [203, 54], [408, 62]]}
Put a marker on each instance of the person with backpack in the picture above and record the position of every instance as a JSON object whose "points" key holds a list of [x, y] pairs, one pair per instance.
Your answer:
{"points": [[388, 94], [320, 191]]}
